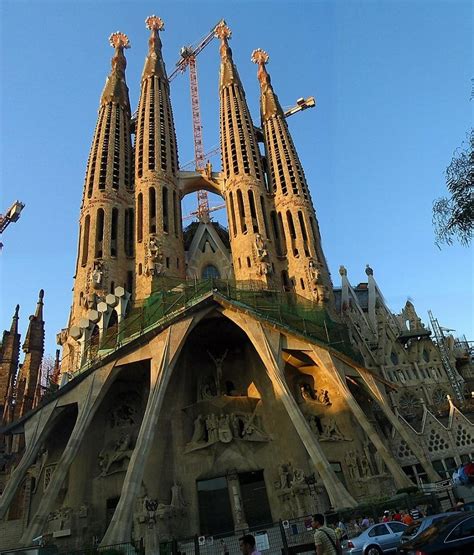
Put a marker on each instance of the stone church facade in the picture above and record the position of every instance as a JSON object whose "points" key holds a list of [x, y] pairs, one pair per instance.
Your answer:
{"points": [[209, 374]]}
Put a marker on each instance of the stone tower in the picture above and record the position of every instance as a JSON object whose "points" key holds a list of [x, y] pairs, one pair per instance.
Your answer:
{"points": [[159, 242], [105, 257], [247, 200], [306, 269], [10, 353], [29, 376]]}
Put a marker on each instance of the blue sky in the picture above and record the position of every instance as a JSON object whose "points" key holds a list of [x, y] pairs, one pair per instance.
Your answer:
{"points": [[392, 83]]}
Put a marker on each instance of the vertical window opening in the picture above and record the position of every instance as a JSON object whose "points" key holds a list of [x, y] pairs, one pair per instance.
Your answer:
{"points": [[128, 231], [232, 214], [85, 240], [113, 232], [286, 281], [253, 212], [130, 282], [276, 233], [165, 210], [240, 203], [151, 210], [282, 234], [175, 214], [140, 218], [292, 231], [99, 234], [264, 214]]}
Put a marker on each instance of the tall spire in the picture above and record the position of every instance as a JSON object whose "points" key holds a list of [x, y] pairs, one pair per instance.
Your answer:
{"points": [[248, 201], [29, 375], [116, 90], [160, 247], [9, 357], [307, 272], [106, 242]]}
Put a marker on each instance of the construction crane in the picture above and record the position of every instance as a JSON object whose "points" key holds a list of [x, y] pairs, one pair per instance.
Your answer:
{"points": [[12, 215], [301, 104], [453, 376], [188, 59]]}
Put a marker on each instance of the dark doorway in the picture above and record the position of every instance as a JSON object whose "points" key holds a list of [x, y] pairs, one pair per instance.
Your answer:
{"points": [[215, 513], [254, 498]]}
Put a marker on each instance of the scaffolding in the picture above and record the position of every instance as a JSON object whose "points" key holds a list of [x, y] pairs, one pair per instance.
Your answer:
{"points": [[453, 376]]}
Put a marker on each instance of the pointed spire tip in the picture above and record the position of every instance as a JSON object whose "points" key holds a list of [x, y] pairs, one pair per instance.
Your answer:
{"points": [[154, 23], [119, 40], [259, 56]]}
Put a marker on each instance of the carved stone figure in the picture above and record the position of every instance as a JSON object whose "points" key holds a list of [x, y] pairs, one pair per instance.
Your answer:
{"points": [[379, 463], [219, 362], [97, 274], [313, 424], [364, 467], [331, 431], [124, 412], [351, 463], [199, 430], [177, 500], [225, 432], [121, 452], [236, 424], [153, 257], [212, 428], [284, 473], [323, 397], [298, 477]]}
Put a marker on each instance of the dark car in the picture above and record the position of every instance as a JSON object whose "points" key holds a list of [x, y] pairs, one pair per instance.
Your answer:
{"points": [[453, 534], [421, 525]]}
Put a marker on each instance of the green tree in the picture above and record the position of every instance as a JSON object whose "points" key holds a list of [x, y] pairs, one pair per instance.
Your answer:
{"points": [[453, 216]]}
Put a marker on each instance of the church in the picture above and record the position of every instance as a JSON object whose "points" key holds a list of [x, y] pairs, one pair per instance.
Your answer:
{"points": [[209, 374]]}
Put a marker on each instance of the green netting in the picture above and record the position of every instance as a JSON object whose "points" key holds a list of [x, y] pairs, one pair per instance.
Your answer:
{"points": [[285, 309]]}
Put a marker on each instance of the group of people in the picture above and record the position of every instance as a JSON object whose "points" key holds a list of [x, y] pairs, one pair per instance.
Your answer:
{"points": [[407, 517]]}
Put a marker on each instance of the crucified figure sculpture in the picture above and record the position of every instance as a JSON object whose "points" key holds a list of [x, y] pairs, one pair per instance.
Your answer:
{"points": [[219, 362]]}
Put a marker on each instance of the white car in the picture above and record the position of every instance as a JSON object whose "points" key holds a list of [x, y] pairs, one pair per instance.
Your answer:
{"points": [[377, 539]]}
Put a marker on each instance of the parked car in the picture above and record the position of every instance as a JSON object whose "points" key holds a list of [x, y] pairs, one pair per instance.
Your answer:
{"points": [[412, 531], [377, 539], [453, 534]]}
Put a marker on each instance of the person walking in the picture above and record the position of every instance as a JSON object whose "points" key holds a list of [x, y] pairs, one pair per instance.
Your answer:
{"points": [[325, 538], [247, 545]]}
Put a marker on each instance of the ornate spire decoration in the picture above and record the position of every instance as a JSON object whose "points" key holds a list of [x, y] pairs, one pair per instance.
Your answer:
{"points": [[116, 89], [228, 71], [154, 64], [268, 100]]}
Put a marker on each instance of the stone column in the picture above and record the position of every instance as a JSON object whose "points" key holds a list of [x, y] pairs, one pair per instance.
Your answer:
{"points": [[36, 429], [326, 361], [381, 400], [165, 348], [267, 344], [99, 383], [240, 522]]}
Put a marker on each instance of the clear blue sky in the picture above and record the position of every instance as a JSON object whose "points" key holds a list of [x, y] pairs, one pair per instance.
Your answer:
{"points": [[392, 82]]}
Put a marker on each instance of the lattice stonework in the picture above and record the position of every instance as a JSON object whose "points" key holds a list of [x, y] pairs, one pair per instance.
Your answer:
{"points": [[48, 473], [404, 451], [436, 442], [463, 437]]}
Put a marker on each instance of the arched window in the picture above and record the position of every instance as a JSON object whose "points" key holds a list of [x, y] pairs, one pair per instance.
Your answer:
{"points": [[140, 218], [99, 237], [210, 271], [85, 240]]}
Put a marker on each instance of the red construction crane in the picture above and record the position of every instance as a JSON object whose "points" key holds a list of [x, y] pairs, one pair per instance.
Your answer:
{"points": [[188, 59]]}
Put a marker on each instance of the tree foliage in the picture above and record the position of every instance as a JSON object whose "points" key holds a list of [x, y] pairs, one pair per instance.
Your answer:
{"points": [[453, 216]]}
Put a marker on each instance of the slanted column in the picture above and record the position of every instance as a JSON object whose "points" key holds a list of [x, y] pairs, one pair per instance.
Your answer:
{"points": [[36, 429], [97, 386], [268, 348], [166, 347], [325, 360], [395, 422]]}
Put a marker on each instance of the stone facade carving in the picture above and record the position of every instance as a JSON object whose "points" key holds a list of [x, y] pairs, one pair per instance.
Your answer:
{"points": [[154, 257], [115, 458], [331, 431]]}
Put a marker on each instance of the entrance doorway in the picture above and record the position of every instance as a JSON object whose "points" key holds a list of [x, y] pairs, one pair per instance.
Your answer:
{"points": [[254, 499], [215, 513]]}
